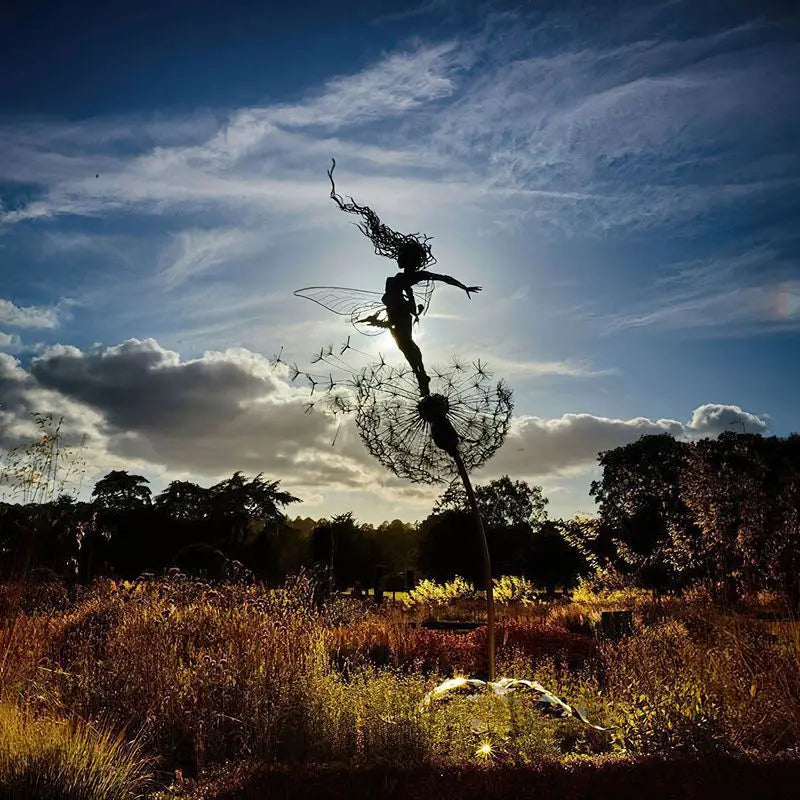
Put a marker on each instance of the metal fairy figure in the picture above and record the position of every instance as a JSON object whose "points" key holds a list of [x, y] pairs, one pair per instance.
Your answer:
{"points": [[397, 308]]}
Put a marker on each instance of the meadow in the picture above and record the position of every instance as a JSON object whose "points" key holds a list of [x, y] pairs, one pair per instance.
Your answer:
{"points": [[177, 688]]}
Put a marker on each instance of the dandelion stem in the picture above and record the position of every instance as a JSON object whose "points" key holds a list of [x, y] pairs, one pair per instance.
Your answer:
{"points": [[487, 564]]}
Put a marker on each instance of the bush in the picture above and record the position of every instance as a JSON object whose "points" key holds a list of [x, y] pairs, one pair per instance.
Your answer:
{"points": [[725, 685], [389, 643], [428, 592], [205, 674], [514, 589]]}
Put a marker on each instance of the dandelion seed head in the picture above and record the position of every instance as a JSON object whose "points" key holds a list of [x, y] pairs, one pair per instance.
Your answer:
{"points": [[413, 437]]}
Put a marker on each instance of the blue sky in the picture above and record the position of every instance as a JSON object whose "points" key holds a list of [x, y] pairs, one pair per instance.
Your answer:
{"points": [[624, 185]]}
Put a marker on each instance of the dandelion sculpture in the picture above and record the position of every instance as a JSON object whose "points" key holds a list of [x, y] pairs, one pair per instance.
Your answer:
{"points": [[434, 438], [461, 425], [419, 435]]}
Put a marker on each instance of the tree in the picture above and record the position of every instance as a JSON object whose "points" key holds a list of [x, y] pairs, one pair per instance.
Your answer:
{"points": [[119, 491], [394, 545], [122, 537], [643, 511], [744, 491], [242, 510], [45, 536], [556, 557], [292, 549], [502, 503], [244, 517], [449, 546], [185, 501], [512, 511], [340, 547]]}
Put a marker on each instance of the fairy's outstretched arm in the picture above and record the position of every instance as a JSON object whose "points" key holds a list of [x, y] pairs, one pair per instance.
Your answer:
{"points": [[433, 276]]}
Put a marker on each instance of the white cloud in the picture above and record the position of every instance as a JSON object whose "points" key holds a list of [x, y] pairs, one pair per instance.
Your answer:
{"points": [[712, 419], [723, 295], [27, 316], [535, 369], [395, 85], [540, 447], [584, 140], [773, 305], [35, 210], [194, 252], [9, 341]]}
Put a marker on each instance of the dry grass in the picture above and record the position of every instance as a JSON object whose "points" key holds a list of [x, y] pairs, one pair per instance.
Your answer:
{"points": [[207, 675], [52, 759]]}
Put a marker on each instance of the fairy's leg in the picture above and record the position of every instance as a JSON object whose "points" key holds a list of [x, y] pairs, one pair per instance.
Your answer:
{"points": [[422, 377], [409, 348]]}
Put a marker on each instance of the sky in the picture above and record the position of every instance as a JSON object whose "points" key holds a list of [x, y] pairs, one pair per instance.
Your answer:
{"points": [[622, 179]]}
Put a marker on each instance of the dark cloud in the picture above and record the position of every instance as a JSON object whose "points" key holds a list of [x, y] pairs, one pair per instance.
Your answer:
{"points": [[209, 415]]}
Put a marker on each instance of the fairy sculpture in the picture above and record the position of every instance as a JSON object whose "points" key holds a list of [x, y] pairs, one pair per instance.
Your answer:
{"points": [[397, 308]]}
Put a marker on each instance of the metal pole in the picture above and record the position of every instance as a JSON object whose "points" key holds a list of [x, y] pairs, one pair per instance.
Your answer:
{"points": [[487, 564]]}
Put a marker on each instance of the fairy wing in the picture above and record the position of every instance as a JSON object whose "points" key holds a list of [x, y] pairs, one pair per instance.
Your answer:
{"points": [[365, 309], [425, 290], [341, 300]]}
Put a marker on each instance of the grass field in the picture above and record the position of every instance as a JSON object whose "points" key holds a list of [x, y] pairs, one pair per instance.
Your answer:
{"points": [[176, 688]]}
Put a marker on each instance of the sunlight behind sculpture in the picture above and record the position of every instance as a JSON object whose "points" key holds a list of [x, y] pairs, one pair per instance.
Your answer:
{"points": [[398, 309]]}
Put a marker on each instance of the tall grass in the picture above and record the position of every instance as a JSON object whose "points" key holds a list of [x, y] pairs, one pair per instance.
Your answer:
{"points": [[46, 467], [53, 759]]}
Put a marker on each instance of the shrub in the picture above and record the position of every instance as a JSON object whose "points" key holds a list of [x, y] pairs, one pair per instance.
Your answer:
{"points": [[725, 685], [443, 652], [428, 592], [514, 589], [23, 645], [205, 674], [209, 675]]}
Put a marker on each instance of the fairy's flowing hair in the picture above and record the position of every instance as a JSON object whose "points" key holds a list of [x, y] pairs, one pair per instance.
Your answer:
{"points": [[387, 242]]}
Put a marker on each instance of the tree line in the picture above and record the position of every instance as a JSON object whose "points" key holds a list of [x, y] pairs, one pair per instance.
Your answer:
{"points": [[723, 513]]}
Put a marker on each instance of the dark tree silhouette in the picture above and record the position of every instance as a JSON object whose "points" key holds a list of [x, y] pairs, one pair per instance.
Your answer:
{"points": [[340, 547], [123, 539], [642, 509], [522, 540], [120, 491], [185, 501], [502, 502], [744, 492], [241, 511], [556, 559], [449, 545]]}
